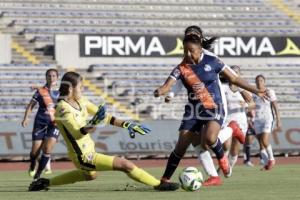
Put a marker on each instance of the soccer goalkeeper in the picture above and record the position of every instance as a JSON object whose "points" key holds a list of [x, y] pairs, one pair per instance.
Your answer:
{"points": [[71, 116]]}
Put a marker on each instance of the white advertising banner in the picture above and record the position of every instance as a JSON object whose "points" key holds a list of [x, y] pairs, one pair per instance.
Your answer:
{"points": [[15, 140]]}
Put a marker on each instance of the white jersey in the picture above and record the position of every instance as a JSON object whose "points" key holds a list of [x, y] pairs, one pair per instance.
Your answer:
{"points": [[263, 110], [235, 107]]}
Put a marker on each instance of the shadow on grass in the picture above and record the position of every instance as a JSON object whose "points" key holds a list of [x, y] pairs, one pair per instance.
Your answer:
{"points": [[127, 188]]}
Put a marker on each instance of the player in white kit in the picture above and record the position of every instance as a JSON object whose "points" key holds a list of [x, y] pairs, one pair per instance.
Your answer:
{"points": [[263, 121], [237, 103]]}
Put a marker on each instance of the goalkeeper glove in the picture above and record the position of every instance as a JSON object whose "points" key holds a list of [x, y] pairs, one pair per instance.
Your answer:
{"points": [[134, 128], [99, 116]]}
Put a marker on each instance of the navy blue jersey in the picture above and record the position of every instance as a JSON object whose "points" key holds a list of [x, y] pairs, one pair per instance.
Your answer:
{"points": [[42, 115], [202, 81]]}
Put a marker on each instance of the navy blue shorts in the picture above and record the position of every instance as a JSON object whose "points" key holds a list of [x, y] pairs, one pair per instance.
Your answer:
{"points": [[42, 131], [250, 131], [194, 123]]}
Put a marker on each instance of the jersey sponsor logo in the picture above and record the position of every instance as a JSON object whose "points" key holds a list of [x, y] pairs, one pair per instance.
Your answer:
{"points": [[207, 68], [90, 157]]}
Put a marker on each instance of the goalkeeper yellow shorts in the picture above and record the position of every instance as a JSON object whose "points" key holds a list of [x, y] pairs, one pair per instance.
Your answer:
{"points": [[93, 161]]}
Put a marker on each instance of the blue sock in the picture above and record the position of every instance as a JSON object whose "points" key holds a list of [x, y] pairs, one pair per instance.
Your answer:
{"points": [[42, 164], [247, 152], [172, 164], [217, 148]]}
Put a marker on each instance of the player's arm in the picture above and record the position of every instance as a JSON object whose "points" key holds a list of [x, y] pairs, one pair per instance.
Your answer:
{"points": [[171, 80], [176, 88], [165, 88], [248, 99], [101, 116], [132, 127], [28, 111], [242, 83], [275, 108]]}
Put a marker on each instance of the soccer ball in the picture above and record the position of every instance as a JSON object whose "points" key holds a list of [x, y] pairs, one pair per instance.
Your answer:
{"points": [[191, 179]]}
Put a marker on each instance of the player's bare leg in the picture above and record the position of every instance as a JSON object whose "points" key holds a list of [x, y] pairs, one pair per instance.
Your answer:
{"points": [[267, 154], [47, 148], [247, 147], [35, 152]]}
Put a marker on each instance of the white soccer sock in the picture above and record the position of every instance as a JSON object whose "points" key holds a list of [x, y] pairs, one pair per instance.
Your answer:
{"points": [[270, 152], [264, 156], [48, 166], [226, 153], [225, 134], [206, 160], [232, 160]]}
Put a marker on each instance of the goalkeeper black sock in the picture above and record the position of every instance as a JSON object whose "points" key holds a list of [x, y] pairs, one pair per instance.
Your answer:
{"points": [[32, 161], [42, 164], [172, 164]]}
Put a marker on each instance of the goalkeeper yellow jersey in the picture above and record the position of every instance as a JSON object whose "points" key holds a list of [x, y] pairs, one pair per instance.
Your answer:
{"points": [[70, 120]]}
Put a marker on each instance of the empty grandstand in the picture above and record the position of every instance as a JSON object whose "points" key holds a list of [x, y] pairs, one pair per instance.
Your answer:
{"points": [[127, 82]]}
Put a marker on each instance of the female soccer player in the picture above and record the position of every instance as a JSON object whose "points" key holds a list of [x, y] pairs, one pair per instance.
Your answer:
{"points": [[264, 120], [226, 133], [199, 73], [45, 133], [237, 101], [71, 116]]}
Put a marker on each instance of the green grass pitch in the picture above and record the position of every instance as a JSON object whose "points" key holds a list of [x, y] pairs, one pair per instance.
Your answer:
{"points": [[282, 183]]}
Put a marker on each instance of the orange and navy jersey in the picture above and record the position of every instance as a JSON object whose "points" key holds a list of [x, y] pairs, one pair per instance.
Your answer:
{"points": [[202, 81], [42, 115]]}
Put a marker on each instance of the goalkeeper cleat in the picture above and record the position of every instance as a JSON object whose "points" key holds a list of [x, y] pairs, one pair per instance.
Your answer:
{"points": [[39, 184], [167, 186], [31, 173]]}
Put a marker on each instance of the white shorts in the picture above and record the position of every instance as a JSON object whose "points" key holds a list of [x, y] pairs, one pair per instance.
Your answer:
{"points": [[241, 121], [263, 126], [243, 125]]}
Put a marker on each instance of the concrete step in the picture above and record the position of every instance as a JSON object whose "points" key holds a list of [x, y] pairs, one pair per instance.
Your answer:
{"points": [[18, 56]]}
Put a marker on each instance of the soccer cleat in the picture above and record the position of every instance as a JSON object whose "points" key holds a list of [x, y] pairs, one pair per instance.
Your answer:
{"points": [[225, 166], [31, 173], [166, 185], [213, 181], [270, 165], [237, 132], [47, 171], [248, 164], [39, 184]]}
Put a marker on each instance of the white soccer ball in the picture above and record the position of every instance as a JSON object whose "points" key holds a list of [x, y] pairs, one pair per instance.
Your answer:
{"points": [[191, 179]]}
